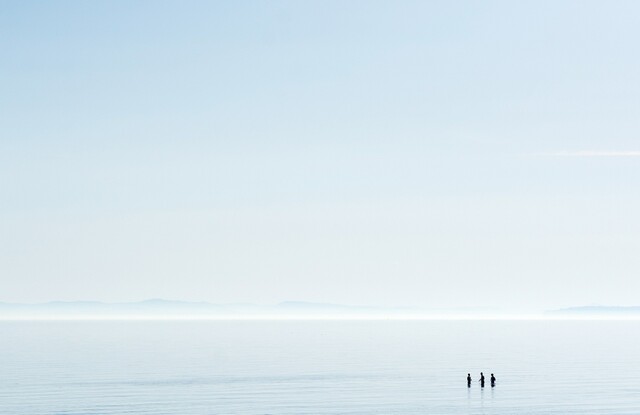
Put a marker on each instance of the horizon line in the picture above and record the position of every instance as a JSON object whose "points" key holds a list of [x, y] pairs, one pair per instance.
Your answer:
{"points": [[329, 317]]}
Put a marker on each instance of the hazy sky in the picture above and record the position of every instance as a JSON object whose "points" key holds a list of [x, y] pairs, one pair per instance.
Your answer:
{"points": [[391, 153]]}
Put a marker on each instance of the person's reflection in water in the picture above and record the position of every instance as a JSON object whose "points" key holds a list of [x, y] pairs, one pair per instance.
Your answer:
{"points": [[468, 380], [481, 380], [493, 380]]}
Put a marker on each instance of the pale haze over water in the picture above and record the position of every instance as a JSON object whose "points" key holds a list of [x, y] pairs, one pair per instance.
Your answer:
{"points": [[319, 367]]}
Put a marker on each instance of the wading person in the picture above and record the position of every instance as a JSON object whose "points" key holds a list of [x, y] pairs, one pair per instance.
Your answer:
{"points": [[481, 380], [493, 380], [468, 380]]}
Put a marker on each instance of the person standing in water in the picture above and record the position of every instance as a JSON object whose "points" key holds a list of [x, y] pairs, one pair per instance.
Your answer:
{"points": [[468, 380], [493, 380], [481, 380]]}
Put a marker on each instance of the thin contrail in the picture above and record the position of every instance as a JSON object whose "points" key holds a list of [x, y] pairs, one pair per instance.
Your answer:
{"points": [[593, 154]]}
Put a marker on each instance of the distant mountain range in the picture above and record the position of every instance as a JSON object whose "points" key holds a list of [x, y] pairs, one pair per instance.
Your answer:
{"points": [[159, 308]]}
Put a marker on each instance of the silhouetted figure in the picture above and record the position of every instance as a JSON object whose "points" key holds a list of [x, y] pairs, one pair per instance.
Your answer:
{"points": [[468, 380], [493, 380], [481, 380]]}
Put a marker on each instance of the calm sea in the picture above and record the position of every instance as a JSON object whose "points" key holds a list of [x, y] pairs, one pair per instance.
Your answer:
{"points": [[319, 367]]}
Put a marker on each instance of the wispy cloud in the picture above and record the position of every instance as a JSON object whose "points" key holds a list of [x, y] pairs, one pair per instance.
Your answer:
{"points": [[593, 154]]}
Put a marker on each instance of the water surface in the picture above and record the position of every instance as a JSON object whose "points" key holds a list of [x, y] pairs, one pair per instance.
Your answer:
{"points": [[319, 367]]}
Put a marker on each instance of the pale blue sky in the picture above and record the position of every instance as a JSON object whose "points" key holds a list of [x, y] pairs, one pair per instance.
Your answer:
{"points": [[389, 153]]}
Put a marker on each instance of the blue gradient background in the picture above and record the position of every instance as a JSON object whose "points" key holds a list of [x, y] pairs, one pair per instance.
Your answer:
{"points": [[389, 153]]}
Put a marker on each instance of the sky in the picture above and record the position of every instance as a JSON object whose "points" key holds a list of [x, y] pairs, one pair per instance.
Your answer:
{"points": [[432, 154]]}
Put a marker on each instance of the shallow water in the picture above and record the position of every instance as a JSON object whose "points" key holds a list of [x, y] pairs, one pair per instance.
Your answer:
{"points": [[319, 367]]}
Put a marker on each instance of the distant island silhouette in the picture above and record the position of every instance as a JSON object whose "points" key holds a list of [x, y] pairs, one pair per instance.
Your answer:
{"points": [[597, 310]]}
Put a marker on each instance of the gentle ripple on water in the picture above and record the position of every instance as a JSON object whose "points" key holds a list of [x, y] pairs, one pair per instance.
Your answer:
{"points": [[319, 367]]}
